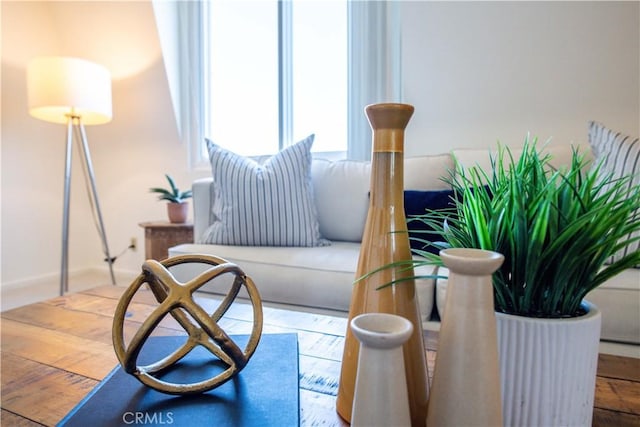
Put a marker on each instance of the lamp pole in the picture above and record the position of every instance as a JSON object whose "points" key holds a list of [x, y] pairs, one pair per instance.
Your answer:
{"points": [[75, 122], [64, 270]]}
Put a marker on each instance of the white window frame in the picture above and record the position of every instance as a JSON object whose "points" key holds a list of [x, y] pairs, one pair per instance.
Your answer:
{"points": [[374, 69], [375, 74]]}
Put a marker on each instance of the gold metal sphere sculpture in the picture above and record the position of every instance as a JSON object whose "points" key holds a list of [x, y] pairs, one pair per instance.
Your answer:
{"points": [[176, 298]]}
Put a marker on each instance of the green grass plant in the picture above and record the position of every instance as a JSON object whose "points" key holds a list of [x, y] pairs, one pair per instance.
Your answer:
{"points": [[557, 229]]}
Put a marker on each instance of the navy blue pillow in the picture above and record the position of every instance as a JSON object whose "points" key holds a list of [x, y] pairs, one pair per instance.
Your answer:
{"points": [[417, 203]]}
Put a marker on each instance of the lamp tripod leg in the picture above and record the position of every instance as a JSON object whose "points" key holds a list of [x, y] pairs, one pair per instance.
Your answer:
{"points": [[64, 269], [94, 195]]}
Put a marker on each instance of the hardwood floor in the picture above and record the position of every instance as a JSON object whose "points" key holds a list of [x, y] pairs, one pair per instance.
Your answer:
{"points": [[44, 290], [54, 352]]}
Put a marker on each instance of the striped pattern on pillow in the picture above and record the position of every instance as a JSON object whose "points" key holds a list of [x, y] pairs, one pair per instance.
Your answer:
{"points": [[620, 155], [263, 205]]}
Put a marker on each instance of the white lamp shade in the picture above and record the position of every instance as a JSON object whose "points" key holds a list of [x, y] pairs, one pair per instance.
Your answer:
{"points": [[59, 87]]}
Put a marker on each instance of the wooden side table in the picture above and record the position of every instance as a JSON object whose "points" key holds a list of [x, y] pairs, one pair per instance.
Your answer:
{"points": [[159, 236]]}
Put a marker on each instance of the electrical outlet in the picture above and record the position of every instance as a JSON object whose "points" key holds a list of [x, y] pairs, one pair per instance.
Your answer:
{"points": [[133, 244]]}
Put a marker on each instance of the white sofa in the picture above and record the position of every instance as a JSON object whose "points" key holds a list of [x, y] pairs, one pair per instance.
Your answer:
{"points": [[322, 277], [318, 277]]}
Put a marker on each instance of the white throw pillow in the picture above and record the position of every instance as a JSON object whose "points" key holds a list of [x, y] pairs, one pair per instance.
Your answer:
{"points": [[341, 191], [268, 204], [620, 155]]}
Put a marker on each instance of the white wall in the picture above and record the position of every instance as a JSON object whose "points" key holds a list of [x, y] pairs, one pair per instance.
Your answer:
{"points": [[130, 154], [476, 72]]}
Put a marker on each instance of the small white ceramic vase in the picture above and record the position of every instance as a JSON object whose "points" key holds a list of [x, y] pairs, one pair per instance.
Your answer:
{"points": [[380, 397]]}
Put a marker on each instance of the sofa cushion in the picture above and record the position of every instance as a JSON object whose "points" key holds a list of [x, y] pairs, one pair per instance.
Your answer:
{"points": [[319, 277], [427, 172], [341, 191], [620, 157], [263, 205], [619, 300]]}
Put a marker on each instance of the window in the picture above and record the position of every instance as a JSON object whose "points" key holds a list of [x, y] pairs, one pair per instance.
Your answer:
{"points": [[260, 74], [276, 71]]}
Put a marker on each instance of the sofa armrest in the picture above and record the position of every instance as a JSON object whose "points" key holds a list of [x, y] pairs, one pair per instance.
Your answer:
{"points": [[202, 191]]}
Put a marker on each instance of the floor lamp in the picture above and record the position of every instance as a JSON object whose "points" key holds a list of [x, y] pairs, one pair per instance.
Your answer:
{"points": [[74, 92]]}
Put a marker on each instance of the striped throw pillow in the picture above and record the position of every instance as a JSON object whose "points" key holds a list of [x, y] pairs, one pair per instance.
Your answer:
{"points": [[269, 204], [620, 155]]}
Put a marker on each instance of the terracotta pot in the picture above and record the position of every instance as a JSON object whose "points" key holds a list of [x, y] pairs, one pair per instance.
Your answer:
{"points": [[178, 212], [548, 368]]}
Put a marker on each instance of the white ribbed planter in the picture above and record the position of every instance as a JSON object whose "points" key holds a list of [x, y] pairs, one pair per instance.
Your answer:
{"points": [[548, 369]]}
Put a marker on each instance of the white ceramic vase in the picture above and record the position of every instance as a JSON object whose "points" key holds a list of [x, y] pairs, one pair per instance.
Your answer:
{"points": [[466, 383], [380, 397], [548, 368]]}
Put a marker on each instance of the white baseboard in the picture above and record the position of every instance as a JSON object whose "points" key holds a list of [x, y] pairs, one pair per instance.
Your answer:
{"points": [[35, 289], [620, 349]]}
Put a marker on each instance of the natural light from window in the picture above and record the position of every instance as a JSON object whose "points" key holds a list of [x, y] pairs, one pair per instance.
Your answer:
{"points": [[246, 75], [320, 73]]}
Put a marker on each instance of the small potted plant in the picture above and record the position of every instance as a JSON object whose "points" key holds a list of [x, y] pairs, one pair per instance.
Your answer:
{"points": [[177, 206]]}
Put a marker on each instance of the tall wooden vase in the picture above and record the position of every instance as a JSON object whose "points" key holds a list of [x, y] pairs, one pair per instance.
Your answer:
{"points": [[466, 379], [386, 240]]}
